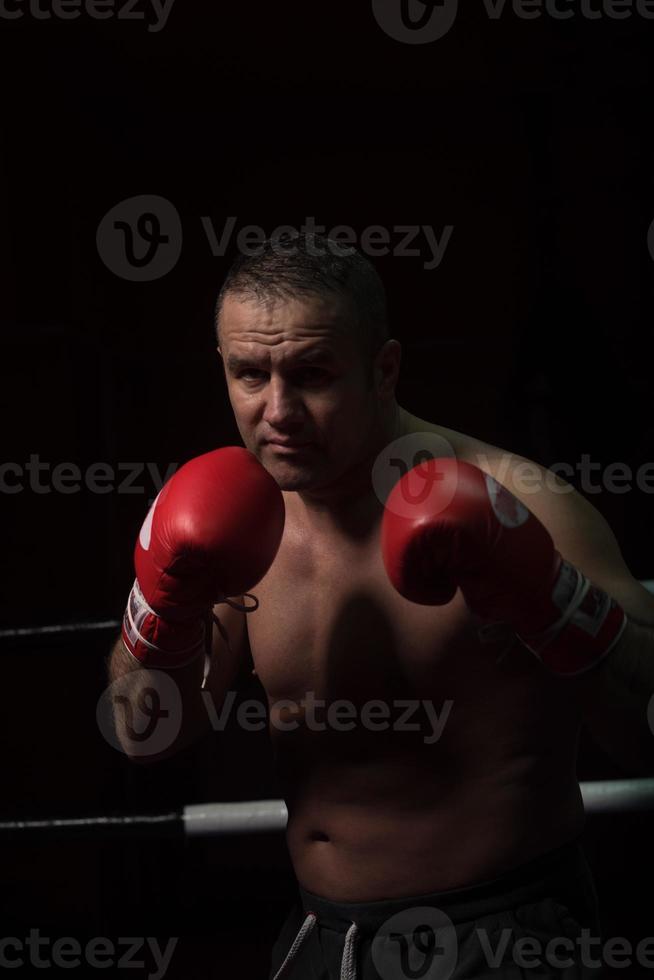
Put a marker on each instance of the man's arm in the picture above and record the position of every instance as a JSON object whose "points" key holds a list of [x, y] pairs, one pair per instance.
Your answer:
{"points": [[613, 696], [212, 532], [614, 699], [228, 655]]}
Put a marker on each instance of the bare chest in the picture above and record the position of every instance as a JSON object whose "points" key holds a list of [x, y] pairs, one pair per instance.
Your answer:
{"points": [[415, 683], [329, 622]]}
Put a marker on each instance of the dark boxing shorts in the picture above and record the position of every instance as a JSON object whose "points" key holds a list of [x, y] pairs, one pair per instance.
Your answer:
{"points": [[525, 924]]}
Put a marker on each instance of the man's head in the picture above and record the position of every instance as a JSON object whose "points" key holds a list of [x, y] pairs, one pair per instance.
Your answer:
{"points": [[303, 333]]}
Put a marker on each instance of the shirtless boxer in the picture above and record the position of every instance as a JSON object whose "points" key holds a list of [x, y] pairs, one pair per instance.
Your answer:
{"points": [[483, 823]]}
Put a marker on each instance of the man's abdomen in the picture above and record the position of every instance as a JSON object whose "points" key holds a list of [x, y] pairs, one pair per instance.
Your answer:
{"points": [[373, 834]]}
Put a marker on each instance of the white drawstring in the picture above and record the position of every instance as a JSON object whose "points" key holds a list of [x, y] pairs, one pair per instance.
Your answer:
{"points": [[348, 961], [304, 931]]}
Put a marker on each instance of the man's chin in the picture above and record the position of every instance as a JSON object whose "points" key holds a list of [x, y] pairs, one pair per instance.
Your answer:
{"points": [[291, 476], [293, 481]]}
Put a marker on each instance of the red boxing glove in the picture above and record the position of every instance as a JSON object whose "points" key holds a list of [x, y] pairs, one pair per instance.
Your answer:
{"points": [[447, 524], [212, 532]]}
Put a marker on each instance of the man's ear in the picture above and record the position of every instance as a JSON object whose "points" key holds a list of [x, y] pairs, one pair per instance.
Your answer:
{"points": [[387, 366]]}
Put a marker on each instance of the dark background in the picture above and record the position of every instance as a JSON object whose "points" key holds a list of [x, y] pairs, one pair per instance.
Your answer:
{"points": [[533, 138]]}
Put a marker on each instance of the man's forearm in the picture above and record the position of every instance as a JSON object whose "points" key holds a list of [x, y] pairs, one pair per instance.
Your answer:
{"points": [[155, 718], [615, 697]]}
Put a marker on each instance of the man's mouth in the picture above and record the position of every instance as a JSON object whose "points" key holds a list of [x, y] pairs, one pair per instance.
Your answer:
{"points": [[287, 447]]}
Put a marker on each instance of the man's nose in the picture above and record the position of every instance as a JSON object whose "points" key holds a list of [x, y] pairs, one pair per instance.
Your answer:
{"points": [[283, 404]]}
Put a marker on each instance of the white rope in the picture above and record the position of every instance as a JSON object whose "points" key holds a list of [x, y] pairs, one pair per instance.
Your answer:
{"points": [[298, 942], [215, 819], [36, 631], [611, 796], [349, 962], [270, 816]]}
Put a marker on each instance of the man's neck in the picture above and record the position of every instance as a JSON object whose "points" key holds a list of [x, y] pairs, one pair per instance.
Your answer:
{"points": [[351, 505]]}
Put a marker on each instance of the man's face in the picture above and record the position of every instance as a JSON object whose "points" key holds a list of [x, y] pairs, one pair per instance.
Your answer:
{"points": [[295, 374]]}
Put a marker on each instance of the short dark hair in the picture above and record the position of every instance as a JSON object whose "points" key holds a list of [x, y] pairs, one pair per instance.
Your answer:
{"points": [[312, 264]]}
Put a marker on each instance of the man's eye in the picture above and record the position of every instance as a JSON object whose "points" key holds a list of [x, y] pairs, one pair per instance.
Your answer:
{"points": [[303, 376], [311, 375]]}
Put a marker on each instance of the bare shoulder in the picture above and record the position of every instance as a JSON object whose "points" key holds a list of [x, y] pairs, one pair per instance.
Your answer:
{"points": [[462, 445], [527, 479], [556, 503]]}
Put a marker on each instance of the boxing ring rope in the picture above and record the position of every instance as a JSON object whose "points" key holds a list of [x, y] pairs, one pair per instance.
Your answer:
{"points": [[59, 629], [246, 817], [114, 624], [263, 817]]}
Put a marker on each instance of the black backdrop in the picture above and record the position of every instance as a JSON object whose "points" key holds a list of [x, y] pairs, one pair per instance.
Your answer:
{"points": [[532, 139]]}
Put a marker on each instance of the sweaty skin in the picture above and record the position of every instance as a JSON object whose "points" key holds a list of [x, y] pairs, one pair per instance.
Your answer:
{"points": [[489, 781]]}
